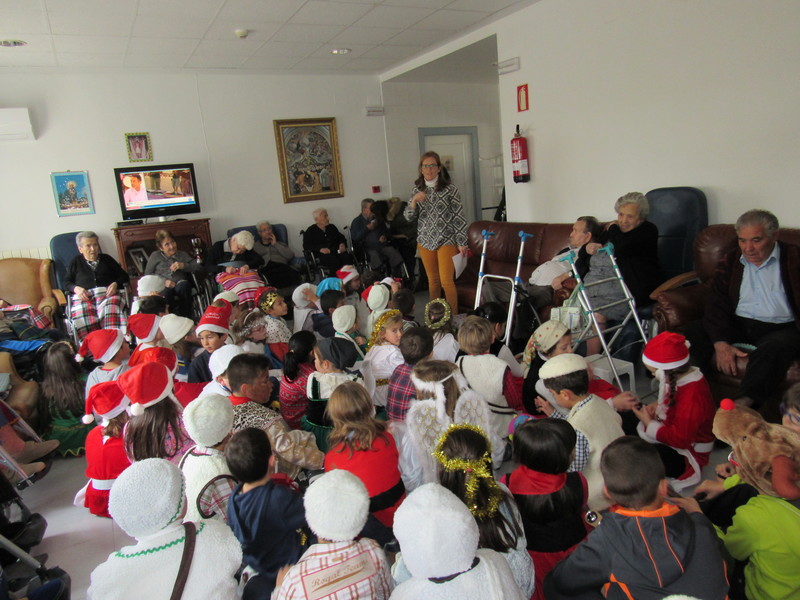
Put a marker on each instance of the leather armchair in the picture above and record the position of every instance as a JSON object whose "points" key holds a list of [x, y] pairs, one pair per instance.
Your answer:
{"points": [[24, 396], [27, 281]]}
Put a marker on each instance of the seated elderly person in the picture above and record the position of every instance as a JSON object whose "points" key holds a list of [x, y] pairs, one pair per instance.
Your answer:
{"points": [[95, 279], [234, 263], [173, 266], [326, 242], [277, 256]]}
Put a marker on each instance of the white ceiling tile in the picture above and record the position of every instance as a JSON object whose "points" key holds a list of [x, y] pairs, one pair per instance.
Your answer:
{"points": [[224, 30], [451, 20], [366, 35], [264, 63], [74, 59], [260, 10], [214, 62], [369, 64], [396, 52], [23, 21], [89, 23], [233, 48], [425, 3], [320, 63], [30, 59], [179, 8], [481, 5], [285, 50], [357, 1], [90, 44], [395, 16], [178, 46], [155, 61], [419, 37], [189, 27], [316, 12], [118, 8], [6, 6], [306, 33]]}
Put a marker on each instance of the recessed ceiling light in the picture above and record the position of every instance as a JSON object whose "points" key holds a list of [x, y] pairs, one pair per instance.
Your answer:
{"points": [[338, 51], [12, 43]]}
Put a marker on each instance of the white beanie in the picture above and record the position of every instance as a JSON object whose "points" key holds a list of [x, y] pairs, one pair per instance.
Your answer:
{"points": [[221, 358], [344, 318], [208, 419], [175, 327], [438, 535], [337, 506], [147, 496], [150, 284], [378, 298], [227, 295], [298, 296], [563, 364]]}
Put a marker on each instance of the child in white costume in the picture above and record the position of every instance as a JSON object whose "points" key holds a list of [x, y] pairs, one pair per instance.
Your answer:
{"points": [[147, 501], [383, 355], [438, 318]]}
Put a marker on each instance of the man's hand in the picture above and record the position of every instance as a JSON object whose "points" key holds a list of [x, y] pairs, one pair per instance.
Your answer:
{"points": [[544, 406], [372, 225], [726, 356], [81, 293], [711, 489], [557, 281], [111, 290], [593, 247], [625, 401], [324, 250]]}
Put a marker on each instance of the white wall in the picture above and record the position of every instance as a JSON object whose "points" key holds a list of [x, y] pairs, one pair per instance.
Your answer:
{"points": [[220, 122], [410, 106]]}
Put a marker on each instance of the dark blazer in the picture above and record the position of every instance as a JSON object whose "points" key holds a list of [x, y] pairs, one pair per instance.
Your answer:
{"points": [[637, 256]]}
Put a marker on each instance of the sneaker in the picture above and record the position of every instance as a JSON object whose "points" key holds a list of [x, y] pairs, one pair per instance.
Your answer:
{"points": [[35, 450]]}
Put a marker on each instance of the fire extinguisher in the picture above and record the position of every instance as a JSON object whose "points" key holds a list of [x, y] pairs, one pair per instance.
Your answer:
{"points": [[519, 158]]}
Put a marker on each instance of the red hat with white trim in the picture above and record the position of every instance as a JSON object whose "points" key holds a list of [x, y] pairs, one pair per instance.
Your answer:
{"points": [[347, 273], [144, 326], [164, 356], [102, 344], [146, 384], [106, 400], [666, 351], [216, 319]]}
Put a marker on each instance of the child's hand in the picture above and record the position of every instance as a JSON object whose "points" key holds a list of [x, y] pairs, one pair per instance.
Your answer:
{"points": [[689, 505], [710, 488], [360, 339], [625, 401], [725, 470], [544, 406], [646, 414]]}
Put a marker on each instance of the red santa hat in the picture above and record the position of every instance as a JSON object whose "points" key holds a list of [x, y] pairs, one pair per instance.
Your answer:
{"points": [[666, 351], [143, 326], [365, 293], [164, 356], [102, 344], [347, 273], [146, 384], [216, 319], [106, 400]]}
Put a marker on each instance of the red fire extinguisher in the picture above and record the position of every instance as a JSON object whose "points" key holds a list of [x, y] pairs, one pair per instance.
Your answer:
{"points": [[519, 158]]}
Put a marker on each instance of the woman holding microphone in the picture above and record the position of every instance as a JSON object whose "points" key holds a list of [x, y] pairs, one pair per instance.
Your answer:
{"points": [[442, 229]]}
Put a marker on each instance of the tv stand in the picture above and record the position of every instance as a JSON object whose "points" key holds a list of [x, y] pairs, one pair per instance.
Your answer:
{"points": [[137, 242]]}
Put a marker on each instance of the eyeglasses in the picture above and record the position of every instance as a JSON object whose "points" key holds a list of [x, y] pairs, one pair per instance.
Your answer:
{"points": [[794, 418], [433, 166]]}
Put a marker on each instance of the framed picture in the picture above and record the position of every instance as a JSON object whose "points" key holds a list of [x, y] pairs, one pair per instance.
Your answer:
{"points": [[139, 147], [72, 193], [308, 159], [139, 257]]}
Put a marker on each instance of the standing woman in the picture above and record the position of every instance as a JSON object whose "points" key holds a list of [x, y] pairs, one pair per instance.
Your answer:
{"points": [[442, 228]]}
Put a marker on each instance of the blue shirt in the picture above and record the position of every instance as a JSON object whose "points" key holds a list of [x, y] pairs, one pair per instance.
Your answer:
{"points": [[761, 295]]}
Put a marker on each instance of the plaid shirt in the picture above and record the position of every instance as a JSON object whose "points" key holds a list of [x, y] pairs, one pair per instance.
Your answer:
{"points": [[582, 445], [401, 392], [338, 571], [27, 312]]}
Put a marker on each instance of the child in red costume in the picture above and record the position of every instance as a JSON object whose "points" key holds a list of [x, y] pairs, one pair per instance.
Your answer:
{"points": [[680, 423]]}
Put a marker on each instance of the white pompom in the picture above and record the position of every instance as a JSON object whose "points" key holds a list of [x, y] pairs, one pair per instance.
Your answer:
{"points": [[87, 419], [137, 410], [78, 358]]}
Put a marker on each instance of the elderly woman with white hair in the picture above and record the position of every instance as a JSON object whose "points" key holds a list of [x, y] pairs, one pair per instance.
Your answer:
{"points": [[326, 242], [235, 264]]}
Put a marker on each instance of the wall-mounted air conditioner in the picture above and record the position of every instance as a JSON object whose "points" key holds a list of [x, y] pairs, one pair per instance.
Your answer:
{"points": [[15, 124]]}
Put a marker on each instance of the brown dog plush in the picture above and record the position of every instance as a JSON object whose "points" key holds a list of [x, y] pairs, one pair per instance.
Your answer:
{"points": [[767, 455]]}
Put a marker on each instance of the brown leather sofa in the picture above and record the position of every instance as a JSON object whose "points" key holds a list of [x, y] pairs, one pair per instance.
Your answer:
{"points": [[27, 281], [682, 299], [502, 251]]}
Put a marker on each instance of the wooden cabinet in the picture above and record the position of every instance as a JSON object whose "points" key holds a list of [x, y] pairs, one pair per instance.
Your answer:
{"points": [[135, 243]]}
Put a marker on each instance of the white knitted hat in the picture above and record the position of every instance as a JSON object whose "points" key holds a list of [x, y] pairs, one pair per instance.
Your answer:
{"points": [[227, 295], [378, 297], [175, 327], [563, 364], [147, 496], [298, 297], [150, 284], [208, 419], [436, 531], [221, 358], [344, 318], [337, 506]]}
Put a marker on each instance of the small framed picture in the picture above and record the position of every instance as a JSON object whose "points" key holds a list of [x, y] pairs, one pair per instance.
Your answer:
{"points": [[72, 193], [139, 257], [139, 147]]}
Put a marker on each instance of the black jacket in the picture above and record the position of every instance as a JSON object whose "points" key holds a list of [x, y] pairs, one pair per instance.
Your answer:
{"points": [[108, 271]]}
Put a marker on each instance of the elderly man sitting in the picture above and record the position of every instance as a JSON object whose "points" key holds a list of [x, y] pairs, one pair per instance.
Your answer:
{"points": [[277, 256], [94, 279], [234, 262], [373, 234], [326, 242]]}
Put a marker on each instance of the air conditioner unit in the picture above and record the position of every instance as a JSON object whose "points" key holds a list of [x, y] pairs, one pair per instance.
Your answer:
{"points": [[15, 124]]}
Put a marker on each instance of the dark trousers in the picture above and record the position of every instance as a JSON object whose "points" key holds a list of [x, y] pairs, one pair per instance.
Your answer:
{"points": [[179, 298], [280, 275], [777, 345]]}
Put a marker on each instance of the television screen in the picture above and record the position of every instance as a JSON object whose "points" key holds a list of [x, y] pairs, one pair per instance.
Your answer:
{"points": [[157, 191]]}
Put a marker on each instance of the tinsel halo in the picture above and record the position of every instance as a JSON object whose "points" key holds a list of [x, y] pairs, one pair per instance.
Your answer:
{"points": [[441, 322], [379, 324]]}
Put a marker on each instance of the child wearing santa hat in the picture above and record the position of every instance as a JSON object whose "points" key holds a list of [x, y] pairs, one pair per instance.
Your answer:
{"points": [[212, 331], [680, 422], [107, 346], [184, 392], [105, 452], [146, 330], [156, 428]]}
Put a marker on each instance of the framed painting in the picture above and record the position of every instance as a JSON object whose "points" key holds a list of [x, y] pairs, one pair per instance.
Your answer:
{"points": [[139, 147], [72, 193], [308, 159]]}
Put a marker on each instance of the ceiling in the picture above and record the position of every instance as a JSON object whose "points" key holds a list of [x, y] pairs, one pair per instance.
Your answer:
{"points": [[285, 36], [475, 63]]}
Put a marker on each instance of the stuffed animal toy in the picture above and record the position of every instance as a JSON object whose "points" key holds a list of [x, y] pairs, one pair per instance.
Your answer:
{"points": [[766, 455]]}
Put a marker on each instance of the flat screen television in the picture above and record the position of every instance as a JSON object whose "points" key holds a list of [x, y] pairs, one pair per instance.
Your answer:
{"points": [[157, 191]]}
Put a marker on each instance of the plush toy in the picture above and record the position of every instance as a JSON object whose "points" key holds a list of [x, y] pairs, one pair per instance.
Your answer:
{"points": [[767, 455]]}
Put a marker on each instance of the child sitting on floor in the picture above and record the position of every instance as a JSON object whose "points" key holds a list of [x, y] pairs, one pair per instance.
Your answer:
{"points": [[497, 316], [403, 300], [305, 301], [646, 546], [106, 346], [383, 355], [147, 333], [297, 366], [415, 345], [329, 301], [249, 331], [278, 333], [439, 320], [265, 513], [345, 322], [179, 336], [212, 331]]}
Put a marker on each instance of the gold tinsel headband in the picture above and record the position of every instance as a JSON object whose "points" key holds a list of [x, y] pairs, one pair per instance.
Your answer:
{"points": [[380, 323], [441, 322], [475, 471]]}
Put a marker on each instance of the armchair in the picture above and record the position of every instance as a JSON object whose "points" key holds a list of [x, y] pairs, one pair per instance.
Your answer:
{"points": [[27, 281]]}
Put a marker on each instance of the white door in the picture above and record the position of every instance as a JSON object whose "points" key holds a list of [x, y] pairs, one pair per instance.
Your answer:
{"points": [[456, 154]]}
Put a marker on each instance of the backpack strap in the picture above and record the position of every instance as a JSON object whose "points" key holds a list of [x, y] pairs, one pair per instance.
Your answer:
{"points": [[186, 561]]}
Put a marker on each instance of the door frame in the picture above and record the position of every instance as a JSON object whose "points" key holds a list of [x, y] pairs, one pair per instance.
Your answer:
{"points": [[472, 132]]}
